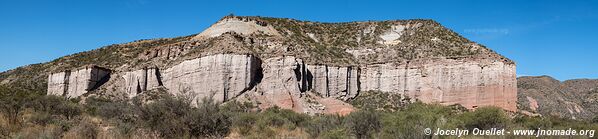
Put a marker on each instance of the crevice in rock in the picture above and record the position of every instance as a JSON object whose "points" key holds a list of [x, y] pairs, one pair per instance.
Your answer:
{"points": [[67, 76], [309, 79], [304, 79], [138, 88], [348, 84], [358, 83], [159, 77], [327, 82], [257, 75], [405, 78], [101, 82], [145, 78]]}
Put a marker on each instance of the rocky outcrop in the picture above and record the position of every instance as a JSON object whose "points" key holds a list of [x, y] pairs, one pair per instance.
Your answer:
{"points": [[138, 81], [544, 95], [286, 81], [469, 83], [78, 82], [306, 66], [238, 25], [337, 82], [280, 84], [223, 75]]}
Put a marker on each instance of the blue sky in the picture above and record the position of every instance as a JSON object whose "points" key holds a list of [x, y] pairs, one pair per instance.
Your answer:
{"points": [[556, 38]]}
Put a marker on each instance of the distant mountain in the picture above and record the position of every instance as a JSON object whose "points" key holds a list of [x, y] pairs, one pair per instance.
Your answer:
{"points": [[576, 99]]}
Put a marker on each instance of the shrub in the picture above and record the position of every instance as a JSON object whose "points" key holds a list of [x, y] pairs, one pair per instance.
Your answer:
{"points": [[87, 129], [363, 123], [40, 118], [68, 109], [277, 117], [416, 117], [207, 120], [485, 118], [13, 101], [163, 116], [319, 125], [46, 103], [244, 122], [337, 133], [532, 122]]}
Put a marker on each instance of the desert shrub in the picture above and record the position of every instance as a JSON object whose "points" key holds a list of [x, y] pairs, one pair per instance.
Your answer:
{"points": [[46, 103], [337, 133], [244, 122], [163, 116], [108, 109], [277, 117], [68, 109], [207, 120], [416, 117], [377, 100], [237, 107], [86, 129], [38, 132], [485, 118], [13, 102], [321, 124], [270, 117], [363, 123], [536, 122], [40, 118]]}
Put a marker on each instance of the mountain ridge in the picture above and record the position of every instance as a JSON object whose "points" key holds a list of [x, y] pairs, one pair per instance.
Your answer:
{"points": [[248, 55]]}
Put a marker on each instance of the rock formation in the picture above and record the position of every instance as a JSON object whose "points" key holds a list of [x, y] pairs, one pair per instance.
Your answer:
{"points": [[138, 81], [544, 95], [305, 66], [76, 83], [223, 75]]}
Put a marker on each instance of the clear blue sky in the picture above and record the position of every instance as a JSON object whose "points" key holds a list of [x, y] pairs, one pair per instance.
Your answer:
{"points": [[556, 38]]}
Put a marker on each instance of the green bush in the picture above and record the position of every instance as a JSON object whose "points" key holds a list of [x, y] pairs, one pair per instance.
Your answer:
{"points": [[337, 133], [485, 118], [363, 123], [416, 117], [528, 122], [41, 118], [87, 129], [207, 120], [322, 124], [163, 116], [244, 122]]}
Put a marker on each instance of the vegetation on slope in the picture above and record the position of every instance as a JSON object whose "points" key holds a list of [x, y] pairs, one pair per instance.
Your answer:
{"points": [[29, 115]]}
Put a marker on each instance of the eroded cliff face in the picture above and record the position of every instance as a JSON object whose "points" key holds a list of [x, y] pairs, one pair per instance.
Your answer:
{"points": [[287, 81], [223, 75], [310, 67], [469, 83], [138, 81], [78, 82]]}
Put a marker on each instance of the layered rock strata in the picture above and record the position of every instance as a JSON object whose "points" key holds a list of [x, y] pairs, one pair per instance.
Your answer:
{"points": [[469, 83], [138, 81], [224, 76], [284, 81], [77, 82], [304, 66]]}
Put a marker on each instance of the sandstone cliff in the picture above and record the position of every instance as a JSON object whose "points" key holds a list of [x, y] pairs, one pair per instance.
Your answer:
{"points": [[78, 82], [305, 66]]}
